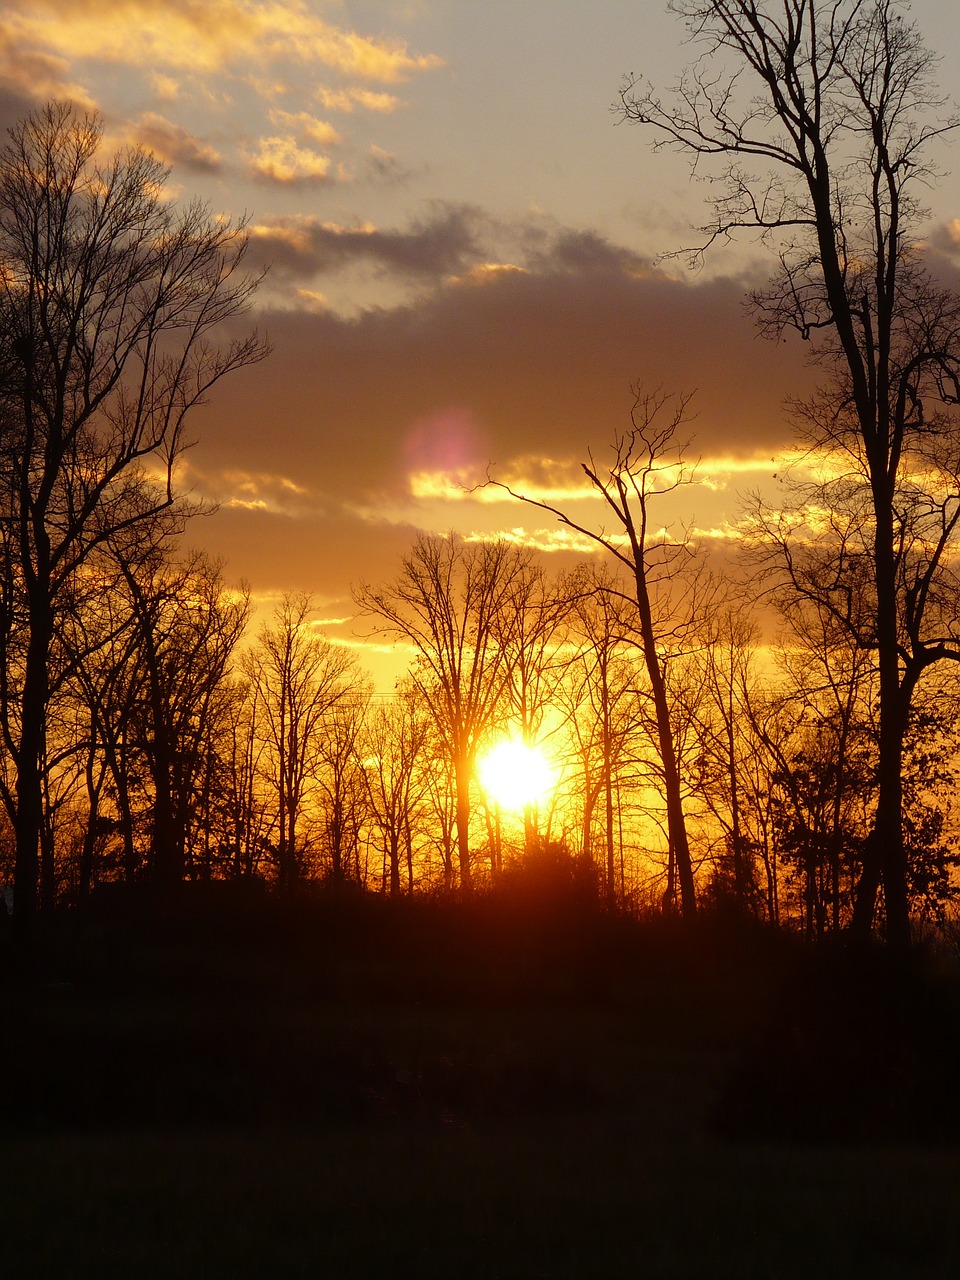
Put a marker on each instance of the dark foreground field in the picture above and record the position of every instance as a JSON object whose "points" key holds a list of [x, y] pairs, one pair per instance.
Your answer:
{"points": [[228, 1089]]}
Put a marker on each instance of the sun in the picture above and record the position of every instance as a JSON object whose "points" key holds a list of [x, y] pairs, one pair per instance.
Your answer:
{"points": [[515, 775]]}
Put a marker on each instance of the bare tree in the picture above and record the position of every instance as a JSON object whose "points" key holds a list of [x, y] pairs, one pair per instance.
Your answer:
{"points": [[529, 633], [724, 671], [101, 640], [187, 625], [109, 297], [820, 114], [648, 460], [342, 782], [451, 601], [397, 735], [298, 677], [599, 695]]}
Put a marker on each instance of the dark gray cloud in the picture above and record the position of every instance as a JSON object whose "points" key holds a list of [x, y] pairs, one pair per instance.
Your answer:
{"points": [[492, 371], [381, 167], [578, 252], [449, 240], [13, 107], [176, 145], [522, 365], [446, 242]]}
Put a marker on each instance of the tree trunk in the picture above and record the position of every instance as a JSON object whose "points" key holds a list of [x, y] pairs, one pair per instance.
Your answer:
{"points": [[608, 789], [29, 789], [408, 846], [884, 855], [463, 772], [48, 857], [167, 865], [394, 854], [676, 824]]}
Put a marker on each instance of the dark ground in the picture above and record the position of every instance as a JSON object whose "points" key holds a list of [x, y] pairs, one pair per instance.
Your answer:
{"points": [[228, 1089]]}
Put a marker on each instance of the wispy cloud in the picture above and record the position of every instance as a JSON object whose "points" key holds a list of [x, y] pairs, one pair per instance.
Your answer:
{"points": [[238, 489], [552, 248], [560, 539], [166, 88], [306, 126], [452, 244], [383, 167], [347, 100]]}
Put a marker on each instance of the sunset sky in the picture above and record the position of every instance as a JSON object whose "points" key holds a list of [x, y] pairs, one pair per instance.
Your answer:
{"points": [[462, 246]]}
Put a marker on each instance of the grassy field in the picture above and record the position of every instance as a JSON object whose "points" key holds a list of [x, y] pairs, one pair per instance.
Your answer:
{"points": [[346, 1090]]}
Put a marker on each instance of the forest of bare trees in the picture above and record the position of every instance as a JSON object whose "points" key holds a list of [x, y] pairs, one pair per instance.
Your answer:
{"points": [[777, 741]]}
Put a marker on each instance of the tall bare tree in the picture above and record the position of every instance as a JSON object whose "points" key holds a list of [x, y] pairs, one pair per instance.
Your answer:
{"points": [[342, 787], [451, 602], [245, 803], [820, 115], [396, 737], [101, 641], [529, 637], [188, 625], [648, 461], [109, 297], [599, 697], [298, 678]]}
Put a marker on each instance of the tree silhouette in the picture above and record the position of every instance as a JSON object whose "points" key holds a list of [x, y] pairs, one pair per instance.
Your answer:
{"points": [[187, 627], [821, 114], [298, 678], [396, 742], [342, 782], [452, 602], [528, 636], [648, 461], [600, 700], [109, 296]]}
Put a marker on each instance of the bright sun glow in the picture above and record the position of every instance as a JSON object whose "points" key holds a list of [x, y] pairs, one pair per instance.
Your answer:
{"points": [[514, 775]]}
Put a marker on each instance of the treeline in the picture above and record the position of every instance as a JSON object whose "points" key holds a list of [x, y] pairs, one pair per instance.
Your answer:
{"points": [[178, 746], [785, 746]]}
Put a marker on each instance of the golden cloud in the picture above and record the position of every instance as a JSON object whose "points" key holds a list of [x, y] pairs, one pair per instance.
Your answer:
{"points": [[247, 504], [486, 273], [347, 100], [37, 73], [166, 88], [306, 125], [445, 486], [203, 36], [546, 540], [311, 300], [552, 480], [257, 491], [283, 161], [253, 482]]}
